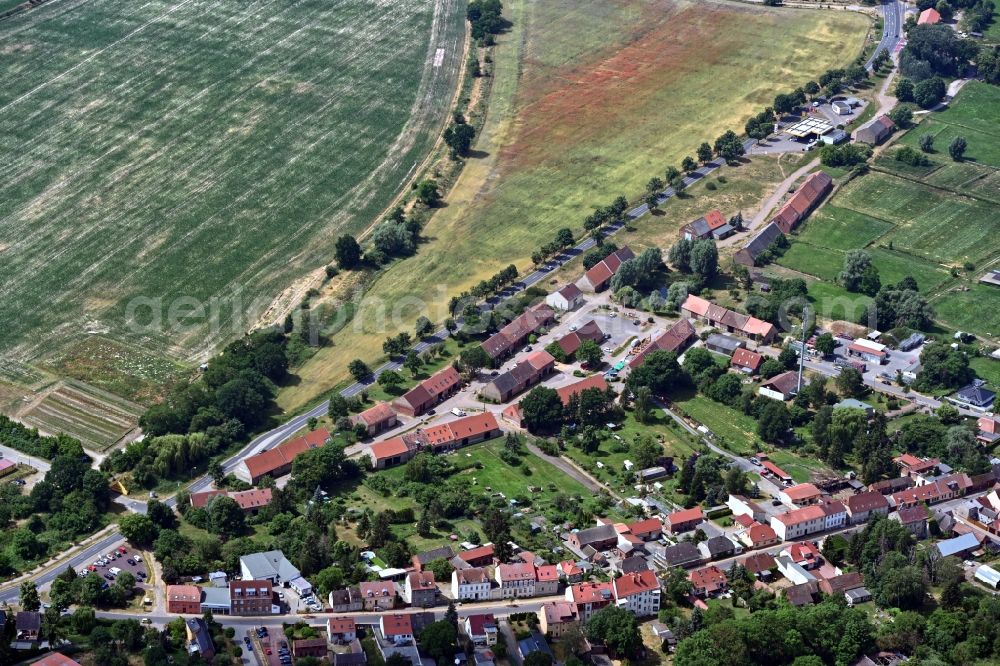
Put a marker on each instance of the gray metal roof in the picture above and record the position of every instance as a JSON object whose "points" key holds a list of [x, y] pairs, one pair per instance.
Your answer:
{"points": [[270, 564]]}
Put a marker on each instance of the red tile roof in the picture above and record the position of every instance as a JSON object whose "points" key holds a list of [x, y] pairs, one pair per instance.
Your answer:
{"points": [[341, 625], [183, 593], [547, 573], [804, 551], [645, 526], [420, 580], [479, 622], [568, 391], [867, 501], [686, 516], [802, 491], [439, 383], [744, 358], [635, 583], [516, 572], [570, 342], [55, 659], [389, 448], [539, 360], [717, 314], [761, 534], [603, 270], [803, 515], [759, 562], [929, 16], [377, 590], [477, 553], [283, 454], [673, 339], [774, 469], [397, 624], [589, 593], [709, 578], [446, 434], [380, 413], [472, 575]]}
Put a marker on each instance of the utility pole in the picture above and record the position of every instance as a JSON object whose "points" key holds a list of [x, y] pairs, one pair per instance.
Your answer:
{"points": [[802, 348]]}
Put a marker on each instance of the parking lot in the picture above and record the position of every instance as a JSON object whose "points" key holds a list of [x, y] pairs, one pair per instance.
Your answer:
{"points": [[114, 562], [269, 644]]}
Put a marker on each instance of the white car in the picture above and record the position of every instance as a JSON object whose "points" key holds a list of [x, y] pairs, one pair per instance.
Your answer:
{"points": [[114, 571]]}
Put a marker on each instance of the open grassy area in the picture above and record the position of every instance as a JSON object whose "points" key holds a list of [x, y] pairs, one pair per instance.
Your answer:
{"points": [[976, 310], [590, 100], [800, 467], [986, 368], [841, 229], [200, 156], [733, 429]]}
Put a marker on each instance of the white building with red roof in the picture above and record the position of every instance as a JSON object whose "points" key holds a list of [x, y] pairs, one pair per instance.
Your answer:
{"points": [[800, 494], [546, 580], [376, 419], [472, 584], [516, 580], [708, 581], [685, 520], [638, 592], [590, 598]]}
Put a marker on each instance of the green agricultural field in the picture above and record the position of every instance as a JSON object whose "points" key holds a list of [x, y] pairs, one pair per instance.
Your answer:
{"points": [[835, 303], [987, 368], [932, 223], [841, 229], [983, 147], [976, 310], [893, 266], [811, 260], [200, 156], [590, 99]]}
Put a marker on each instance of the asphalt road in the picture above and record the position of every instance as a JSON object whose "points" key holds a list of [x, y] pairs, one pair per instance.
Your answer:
{"points": [[892, 29]]}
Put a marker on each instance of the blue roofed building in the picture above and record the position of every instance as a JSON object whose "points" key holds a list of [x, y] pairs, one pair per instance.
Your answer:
{"points": [[960, 546], [975, 395], [534, 643]]}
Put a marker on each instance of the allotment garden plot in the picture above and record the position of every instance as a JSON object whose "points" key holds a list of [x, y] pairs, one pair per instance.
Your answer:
{"points": [[200, 149]]}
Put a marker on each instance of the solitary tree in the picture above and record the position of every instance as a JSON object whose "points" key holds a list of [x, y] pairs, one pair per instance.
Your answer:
{"points": [[427, 193], [957, 148], [358, 369], [347, 251], [926, 143]]}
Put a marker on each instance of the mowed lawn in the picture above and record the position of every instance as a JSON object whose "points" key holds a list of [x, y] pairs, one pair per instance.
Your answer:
{"points": [[734, 430], [184, 152], [976, 310], [591, 99]]}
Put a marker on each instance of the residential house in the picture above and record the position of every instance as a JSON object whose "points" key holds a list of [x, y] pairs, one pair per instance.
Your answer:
{"points": [[809, 194], [890, 486], [798, 522], [251, 501], [531, 370], [275, 567], [341, 630], [568, 298], [513, 412], [420, 560], [599, 276], [709, 581], [397, 627], [377, 596], [939, 490], [804, 554], [638, 592], [760, 565], [800, 495], [975, 396], [199, 639], [674, 339], [55, 659], [471, 584], [912, 466], [502, 343], [741, 505], [481, 629], [27, 628], [851, 403], [861, 507], [838, 585], [684, 554], [600, 538], [394, 451], [746, 361], [183, 599], [251, 597], [802, 594], [713, 225], [516, 580], [875, 132], [428, 393], [794, 572], [781, 387], [684, 521], [546, 580], [556, 618], [929, 16], [573, 572], [730, 321], [913, 518], [534, 643], [988, 430], [570, 342], [759, 535], [459, 432], [309, 647], [717, 547], [857, 595], [588, 598], [758, 245], [376, 419], [478, 557], [419, 589], [647, 530], [278, 461]]}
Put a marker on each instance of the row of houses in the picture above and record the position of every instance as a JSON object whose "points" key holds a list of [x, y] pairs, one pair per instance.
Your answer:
{"points": [[278, 461], [437, 438], [503, 343], [527, 372], [674, 339], [699, 309], [598, 277], [804, 201], [513, 412]]}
